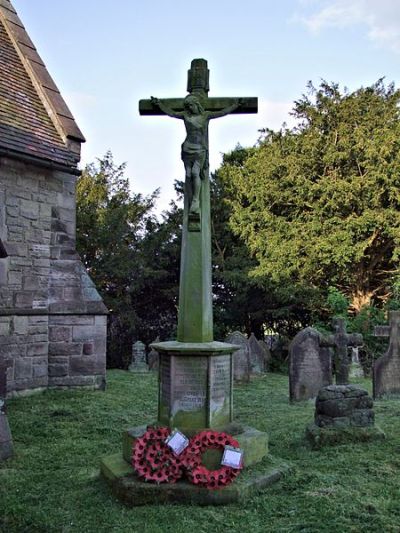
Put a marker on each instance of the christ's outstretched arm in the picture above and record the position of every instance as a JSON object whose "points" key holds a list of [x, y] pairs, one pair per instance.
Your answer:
{"points": [[166, 109]]}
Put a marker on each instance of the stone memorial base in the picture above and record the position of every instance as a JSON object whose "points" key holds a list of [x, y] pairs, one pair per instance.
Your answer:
{"points": [[343, 414], [260, 471], [253, 442], [133, 492]]}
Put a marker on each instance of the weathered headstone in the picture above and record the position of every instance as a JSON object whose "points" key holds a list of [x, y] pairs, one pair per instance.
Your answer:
{"points": [[341, 341], [356, 369], [241, 358], [267, 354], [310, 365], [343, 414], [257, 356], [6, 445], [153, 358], [138, 363], [386, 370]]}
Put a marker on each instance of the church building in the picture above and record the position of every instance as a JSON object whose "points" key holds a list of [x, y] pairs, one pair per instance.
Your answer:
{"points": [[53, 322]]}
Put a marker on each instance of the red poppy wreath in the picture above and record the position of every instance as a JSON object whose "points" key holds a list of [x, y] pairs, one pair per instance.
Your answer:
{"points": [[153, 459]]}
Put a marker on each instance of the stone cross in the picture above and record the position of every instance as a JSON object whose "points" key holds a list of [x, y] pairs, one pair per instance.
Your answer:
{"points": [[195, 318], [386, 370], [138, 363], [341, 341]]}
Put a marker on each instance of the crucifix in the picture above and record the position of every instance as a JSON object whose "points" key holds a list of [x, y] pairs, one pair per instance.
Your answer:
{"points": [[196, 110], [341, 341]]}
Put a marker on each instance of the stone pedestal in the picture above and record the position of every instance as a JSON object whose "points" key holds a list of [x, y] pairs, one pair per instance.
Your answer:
{"points": [[343, 414], [195, 385]]}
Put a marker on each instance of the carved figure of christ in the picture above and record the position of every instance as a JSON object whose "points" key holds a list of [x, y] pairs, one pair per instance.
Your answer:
{"points": [[196, 110]]}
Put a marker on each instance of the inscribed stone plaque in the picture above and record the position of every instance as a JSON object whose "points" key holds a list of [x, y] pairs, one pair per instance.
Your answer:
{"points": [[189, 384], [241, 358], [310, 366], [257, 355], [220, 389]]}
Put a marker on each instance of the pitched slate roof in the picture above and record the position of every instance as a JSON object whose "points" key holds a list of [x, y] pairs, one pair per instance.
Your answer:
{"points": [[34, 119]]}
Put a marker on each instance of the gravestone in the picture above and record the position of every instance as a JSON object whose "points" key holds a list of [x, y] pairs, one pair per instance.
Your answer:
{"points": [[267, 354], [241, 358], [356, 369], [310, 365], [341, 341], [257, 356], [153, 358], [138, 363], [6, 445], [386, 369]]}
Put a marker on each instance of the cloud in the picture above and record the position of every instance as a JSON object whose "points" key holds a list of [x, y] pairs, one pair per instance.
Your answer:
{"points": [[380, 17]]}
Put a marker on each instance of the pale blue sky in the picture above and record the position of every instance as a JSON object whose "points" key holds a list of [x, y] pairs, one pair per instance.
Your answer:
{"points": [[105, 56]]}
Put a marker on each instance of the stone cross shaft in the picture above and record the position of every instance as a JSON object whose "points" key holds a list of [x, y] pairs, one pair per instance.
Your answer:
{"points": [[341, 341], [195, 317]]}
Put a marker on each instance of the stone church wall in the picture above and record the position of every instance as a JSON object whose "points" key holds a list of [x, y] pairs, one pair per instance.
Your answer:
{"points": [[52, 320]]}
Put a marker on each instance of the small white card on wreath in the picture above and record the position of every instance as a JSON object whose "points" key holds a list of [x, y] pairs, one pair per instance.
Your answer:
{"points": [[232, 457], [177, 442]]}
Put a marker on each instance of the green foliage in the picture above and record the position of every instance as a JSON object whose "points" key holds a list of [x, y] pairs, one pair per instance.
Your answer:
{"points": [[53, 484], [337, 302], [243, 301], [130, 256], [319, 204]]}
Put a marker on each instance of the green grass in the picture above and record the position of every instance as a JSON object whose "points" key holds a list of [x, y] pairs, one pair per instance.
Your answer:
{"points": [[53, 483]]}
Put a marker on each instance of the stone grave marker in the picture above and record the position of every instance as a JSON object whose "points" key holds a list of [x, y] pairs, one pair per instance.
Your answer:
{"points": [[341, 341], [241, 358], [257, 356], [386, 370], [310, 365], [267, 354], [356, 369], [6, 445], [138, 363], [153, 358]]}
